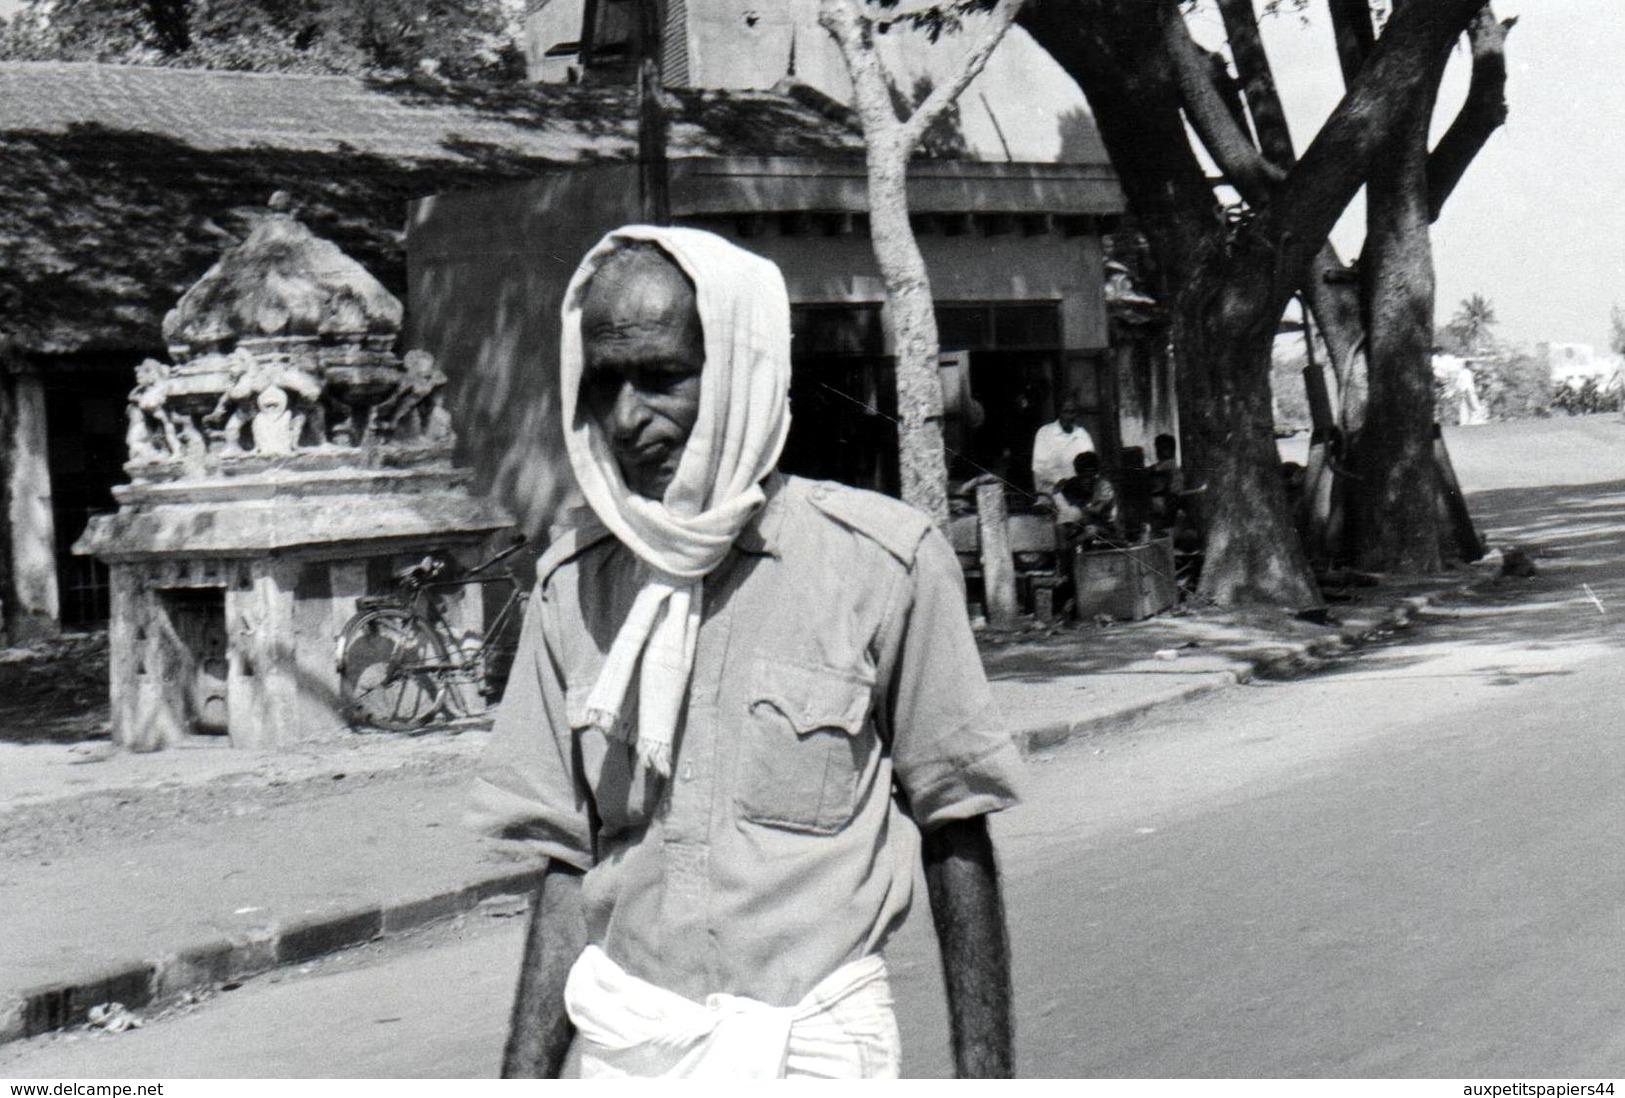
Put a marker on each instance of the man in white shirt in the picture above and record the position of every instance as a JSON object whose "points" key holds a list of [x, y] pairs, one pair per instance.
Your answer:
{"points": [[1054, 447]]}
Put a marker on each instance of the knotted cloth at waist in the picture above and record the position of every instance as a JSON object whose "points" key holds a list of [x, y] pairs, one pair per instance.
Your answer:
{"points": [[628, 1027]]}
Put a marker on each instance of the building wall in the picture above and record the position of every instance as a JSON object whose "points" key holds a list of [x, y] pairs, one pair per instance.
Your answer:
{"points": [[1022, 107], [967, 268], [548, 24], [486, 273], [486, 277]]}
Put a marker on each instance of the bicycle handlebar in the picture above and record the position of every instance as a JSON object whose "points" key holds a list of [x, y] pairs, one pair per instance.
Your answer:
{"points": [[519, 541]]}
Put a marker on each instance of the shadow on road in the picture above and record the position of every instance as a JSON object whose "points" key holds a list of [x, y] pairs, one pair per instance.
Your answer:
{"points": [[1575, 536]]}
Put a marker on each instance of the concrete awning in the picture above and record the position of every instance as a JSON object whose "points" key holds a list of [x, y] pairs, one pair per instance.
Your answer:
{"points": [[733, 185]]}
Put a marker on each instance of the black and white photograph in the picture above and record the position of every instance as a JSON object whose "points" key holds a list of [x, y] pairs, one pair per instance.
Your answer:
{"points": [[847, 539]]}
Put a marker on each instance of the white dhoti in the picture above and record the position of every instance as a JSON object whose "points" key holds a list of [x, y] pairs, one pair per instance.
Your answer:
{"points": [[627, 1027]]}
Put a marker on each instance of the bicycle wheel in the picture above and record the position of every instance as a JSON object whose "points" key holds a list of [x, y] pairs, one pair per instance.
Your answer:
{"points": [[389, 661]]}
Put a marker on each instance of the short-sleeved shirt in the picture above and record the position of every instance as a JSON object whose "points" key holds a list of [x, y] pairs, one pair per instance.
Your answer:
{"points": [[1054, 447], [836, 696]]}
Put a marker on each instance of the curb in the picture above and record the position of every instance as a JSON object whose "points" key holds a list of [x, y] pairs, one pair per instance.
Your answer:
{"points": [[164, 979], [161, 980], [1293, 660]]}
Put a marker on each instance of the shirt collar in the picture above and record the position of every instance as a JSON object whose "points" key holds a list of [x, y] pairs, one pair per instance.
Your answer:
{"points": [[760, 535]]}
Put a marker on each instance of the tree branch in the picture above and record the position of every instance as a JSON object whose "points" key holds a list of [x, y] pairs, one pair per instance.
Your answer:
{"points": [[942, 97], [1119, 62], [854, 37], [1406, 58], [1258, 82], [1482, 112], [1351, 25], [1229, 146]]}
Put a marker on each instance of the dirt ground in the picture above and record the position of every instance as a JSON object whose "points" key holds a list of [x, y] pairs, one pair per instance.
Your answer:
{"points": [[55, 691]]}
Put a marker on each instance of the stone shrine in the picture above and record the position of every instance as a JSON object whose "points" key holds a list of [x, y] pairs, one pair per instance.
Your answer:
{"points": [[286, 463]]}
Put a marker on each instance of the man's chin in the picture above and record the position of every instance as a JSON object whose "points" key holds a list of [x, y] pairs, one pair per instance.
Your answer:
{"points": [[648, 483]]}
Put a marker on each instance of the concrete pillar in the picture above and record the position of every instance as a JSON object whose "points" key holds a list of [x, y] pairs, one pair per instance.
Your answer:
{"points": [[32, 611], [998, 565], [262, 677], [142, 666]]}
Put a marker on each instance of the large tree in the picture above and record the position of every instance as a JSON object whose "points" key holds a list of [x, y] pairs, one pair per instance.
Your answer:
{"points": [[1228, 279], [891, 136]]}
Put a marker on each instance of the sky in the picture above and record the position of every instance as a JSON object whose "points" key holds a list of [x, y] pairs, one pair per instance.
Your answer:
{"points": [[1538, 223]]}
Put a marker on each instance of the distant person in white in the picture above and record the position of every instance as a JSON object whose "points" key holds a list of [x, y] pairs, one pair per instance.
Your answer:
{"points": [[1054, 446], [1469, 407]]}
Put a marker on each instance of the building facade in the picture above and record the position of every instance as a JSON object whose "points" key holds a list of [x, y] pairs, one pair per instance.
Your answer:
{"points": [[1022, 108], [1017, 270]]}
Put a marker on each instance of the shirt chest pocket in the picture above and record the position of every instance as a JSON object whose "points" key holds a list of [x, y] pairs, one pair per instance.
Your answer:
{"points": [[806, 746]]}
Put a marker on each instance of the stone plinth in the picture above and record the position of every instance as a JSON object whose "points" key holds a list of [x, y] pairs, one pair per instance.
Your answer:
{"points": [[285, 465]]}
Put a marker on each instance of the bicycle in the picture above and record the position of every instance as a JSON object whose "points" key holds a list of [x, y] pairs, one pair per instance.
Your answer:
{"points": [[399, 658]]}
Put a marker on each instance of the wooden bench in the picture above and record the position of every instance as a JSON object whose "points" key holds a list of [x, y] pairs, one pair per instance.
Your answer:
{"points": [[1031, 536]]}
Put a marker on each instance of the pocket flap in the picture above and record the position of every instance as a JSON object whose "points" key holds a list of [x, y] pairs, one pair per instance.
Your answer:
{"points": [[811, 698]]}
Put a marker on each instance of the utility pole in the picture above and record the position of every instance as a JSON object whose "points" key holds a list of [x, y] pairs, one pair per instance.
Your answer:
{"points": [[654, 184]]}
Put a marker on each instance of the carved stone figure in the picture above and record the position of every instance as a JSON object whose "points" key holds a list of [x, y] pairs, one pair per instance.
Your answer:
{"points": [[151, 433], [273, 425], [413, 411], [241, 405]]}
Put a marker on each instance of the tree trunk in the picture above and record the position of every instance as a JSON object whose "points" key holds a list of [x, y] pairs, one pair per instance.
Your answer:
{"points": [[1252, 553], [1397, 518], [921, 461], [1333, 292], [890, 142]]}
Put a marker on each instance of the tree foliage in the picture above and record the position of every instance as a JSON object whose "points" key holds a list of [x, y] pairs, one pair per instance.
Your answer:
{"points": [[455, 38], [1471, 327]]}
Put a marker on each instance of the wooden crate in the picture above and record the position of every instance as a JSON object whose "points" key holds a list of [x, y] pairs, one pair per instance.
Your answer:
{"points": [[1125, 584]]}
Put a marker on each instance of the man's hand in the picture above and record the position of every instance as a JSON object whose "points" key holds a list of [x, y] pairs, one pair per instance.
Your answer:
{"points": [[963, 882], [539, 1032]]}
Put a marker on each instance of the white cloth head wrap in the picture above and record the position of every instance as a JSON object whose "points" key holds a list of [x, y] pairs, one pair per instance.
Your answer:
{"points": [[743, 420]]}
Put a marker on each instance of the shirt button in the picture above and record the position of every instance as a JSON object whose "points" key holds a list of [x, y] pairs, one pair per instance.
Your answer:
{"points": [[688, 772]]}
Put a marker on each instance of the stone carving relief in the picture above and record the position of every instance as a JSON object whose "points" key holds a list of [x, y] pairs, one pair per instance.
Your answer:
{"points": [[284, 346], [242, 404]]}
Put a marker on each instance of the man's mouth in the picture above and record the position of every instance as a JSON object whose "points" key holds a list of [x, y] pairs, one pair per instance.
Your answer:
{"points": [[650, 453]]}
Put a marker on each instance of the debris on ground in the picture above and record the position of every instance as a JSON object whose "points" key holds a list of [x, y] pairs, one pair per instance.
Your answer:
{"points": [[113, 1018], [1517, 564]]}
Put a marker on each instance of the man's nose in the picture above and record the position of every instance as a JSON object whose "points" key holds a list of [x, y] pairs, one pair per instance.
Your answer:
{"points": [[630, 412]]}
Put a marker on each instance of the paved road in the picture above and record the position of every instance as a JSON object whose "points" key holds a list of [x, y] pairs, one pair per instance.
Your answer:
{"points": [[1407, 866]]}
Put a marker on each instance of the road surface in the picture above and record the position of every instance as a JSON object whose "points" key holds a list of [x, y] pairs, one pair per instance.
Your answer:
{"points": [[1406, 866]]}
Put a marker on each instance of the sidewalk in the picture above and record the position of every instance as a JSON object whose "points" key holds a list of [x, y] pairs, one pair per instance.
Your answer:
{"points": [[140, 878]]}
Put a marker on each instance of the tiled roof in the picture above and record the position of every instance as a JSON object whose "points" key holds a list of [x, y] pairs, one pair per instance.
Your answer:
{"points": [[119, 185]]}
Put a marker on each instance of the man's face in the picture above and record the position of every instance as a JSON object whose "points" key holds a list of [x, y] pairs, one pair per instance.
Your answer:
{"points": [[1067, 417], [644, 350]]}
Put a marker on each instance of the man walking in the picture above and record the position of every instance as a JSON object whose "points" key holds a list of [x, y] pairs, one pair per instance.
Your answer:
{"points": [[739, 700]]}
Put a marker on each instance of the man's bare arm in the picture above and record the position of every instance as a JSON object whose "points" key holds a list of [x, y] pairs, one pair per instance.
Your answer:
{"points": [[968, 910], [539, 1032]]}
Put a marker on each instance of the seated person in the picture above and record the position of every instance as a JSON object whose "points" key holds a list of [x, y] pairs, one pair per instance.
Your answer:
{"points": [[1090, 495], [1166, 483]]}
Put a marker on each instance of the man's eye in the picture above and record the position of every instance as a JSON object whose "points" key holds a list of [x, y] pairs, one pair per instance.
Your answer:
{"points": [[598, 388], [664, 378]]}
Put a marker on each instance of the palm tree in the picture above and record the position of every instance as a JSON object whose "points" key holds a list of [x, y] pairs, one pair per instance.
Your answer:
{"points": [[1472, 323]]}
